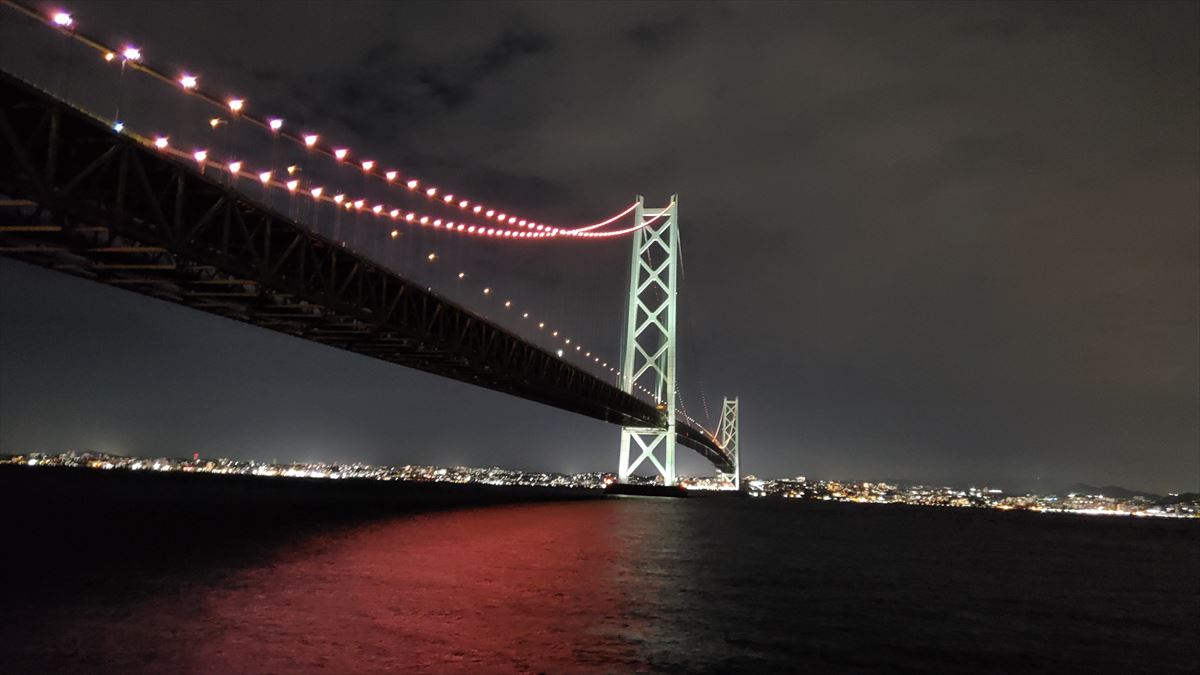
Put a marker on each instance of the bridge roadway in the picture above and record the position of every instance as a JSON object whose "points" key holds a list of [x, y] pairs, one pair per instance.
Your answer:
{"points": [[78, 198]]}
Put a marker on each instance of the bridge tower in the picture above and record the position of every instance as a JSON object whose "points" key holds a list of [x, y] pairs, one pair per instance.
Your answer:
{"points": [[649, 348], [727, 437]]}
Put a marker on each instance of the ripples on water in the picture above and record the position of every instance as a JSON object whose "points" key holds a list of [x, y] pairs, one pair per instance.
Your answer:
{"points": [[648, 585]]}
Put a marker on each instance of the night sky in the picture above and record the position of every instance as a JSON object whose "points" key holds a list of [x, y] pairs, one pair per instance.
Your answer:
{"points": [[940, 242]]}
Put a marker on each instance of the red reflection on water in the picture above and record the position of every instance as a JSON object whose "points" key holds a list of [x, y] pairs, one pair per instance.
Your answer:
{"points": [[509, 589]]}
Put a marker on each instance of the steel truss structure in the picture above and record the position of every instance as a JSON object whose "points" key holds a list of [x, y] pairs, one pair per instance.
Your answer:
{"points": [[727, 437], [80, 199], [649, 347]]}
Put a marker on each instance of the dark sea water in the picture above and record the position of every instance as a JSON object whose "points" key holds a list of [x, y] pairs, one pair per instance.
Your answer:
{"points": [[632, 585]]}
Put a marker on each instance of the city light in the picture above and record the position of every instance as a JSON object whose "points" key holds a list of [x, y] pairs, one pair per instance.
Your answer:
{"points": [[160, 142], [275, 123], [200, 155], [236, 104], [340, 153], [188, 81], [265, 177], [310, 140], [795, 488], [62, 19], [131, 54], [235, 167]]}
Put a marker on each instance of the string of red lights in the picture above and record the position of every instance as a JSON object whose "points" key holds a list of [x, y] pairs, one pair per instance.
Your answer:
{"points": [[501, 225]]}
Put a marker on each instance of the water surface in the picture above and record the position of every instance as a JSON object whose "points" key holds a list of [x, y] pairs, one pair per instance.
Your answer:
{"points": [[643, 585]]}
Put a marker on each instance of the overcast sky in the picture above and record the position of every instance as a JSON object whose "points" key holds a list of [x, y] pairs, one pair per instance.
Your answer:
{"points": [[949, 242]]}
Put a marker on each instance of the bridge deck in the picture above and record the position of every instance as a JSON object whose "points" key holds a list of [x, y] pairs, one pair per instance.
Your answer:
{"points": [[78, 198]]}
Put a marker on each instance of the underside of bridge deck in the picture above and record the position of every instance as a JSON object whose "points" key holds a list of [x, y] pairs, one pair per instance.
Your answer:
{"points": [[79, 198]]}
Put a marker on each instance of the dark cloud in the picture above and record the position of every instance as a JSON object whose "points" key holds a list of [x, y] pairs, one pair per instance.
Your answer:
{"points": [[508, 48], [456, 88], [945, 240], [660, 34]]}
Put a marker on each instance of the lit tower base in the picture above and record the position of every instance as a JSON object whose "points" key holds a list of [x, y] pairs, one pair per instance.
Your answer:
{"points": [[649, 348]]}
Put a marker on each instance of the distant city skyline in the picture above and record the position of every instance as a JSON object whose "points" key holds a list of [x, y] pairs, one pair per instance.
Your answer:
{"points": [[1078, 499], [1045, 487]]}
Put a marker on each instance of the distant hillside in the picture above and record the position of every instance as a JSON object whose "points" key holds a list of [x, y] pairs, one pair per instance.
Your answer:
{"points": [[1115, 491], [1180, 498]]}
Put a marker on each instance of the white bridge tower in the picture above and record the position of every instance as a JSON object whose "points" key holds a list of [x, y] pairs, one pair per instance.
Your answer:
{"points": [[649, 349], [727, 437], [650, 343]]}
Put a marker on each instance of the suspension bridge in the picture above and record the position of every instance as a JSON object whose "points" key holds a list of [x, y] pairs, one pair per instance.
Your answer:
{"points": [[254, 233]]}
